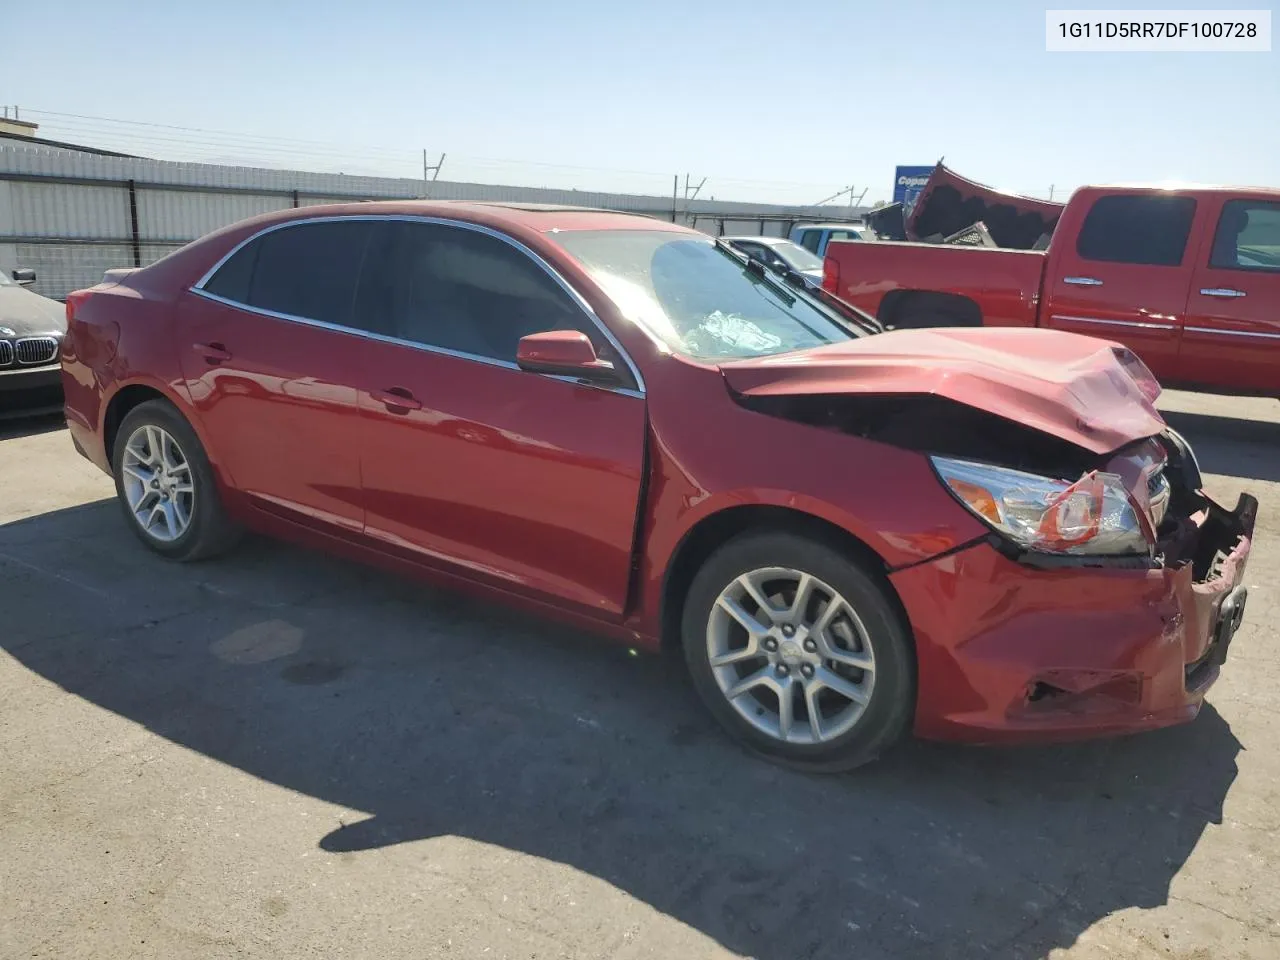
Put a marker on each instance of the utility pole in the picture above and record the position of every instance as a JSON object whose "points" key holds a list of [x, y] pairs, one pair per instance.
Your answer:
{"points": [[836, 196], [1051, 191], [690, 193], [433, 170]]}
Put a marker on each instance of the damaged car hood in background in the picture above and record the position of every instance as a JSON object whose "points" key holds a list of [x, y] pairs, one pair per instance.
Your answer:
{"points": [[1064, 384]]}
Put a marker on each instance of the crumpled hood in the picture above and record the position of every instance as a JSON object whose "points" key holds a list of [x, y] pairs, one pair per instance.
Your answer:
{"points": [[1071, 386], [27, 313]]}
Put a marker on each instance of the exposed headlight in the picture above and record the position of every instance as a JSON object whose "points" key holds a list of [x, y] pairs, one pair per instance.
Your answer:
{"points": [[1095, 515]]}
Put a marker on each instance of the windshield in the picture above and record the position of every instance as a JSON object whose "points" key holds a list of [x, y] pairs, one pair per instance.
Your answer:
{"points": [[797, 257], [699, 298], [4, 279]]}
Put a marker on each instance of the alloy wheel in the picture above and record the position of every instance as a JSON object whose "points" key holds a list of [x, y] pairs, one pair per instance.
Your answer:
{"points": [[157, 483], [790, 655]]}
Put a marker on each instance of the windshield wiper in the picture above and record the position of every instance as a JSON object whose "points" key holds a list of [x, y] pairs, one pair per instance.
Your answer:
{"points": [[794, 278], [760, 271], [757, 270], [846, 314]]}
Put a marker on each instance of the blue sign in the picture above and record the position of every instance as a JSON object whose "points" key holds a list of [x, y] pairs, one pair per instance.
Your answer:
{"points": [[908, 182]]}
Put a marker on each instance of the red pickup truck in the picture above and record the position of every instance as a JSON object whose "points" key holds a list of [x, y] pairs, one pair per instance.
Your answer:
{"points": [[1188, 278]]}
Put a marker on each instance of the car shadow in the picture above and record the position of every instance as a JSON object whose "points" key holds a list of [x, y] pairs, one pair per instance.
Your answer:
{"points": [[1233, 446], [424, 714], [14, 426]]}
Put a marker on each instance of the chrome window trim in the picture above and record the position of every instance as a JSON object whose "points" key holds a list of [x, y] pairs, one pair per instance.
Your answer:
{"points": [[1235, 333], [397, 341], [551, 271], [1143, 325]]}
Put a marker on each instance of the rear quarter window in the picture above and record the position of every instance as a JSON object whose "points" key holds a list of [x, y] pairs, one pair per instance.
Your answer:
{"points": [[232, 279]]}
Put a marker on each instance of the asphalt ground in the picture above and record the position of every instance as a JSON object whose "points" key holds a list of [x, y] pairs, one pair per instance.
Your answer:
{"points": [[280, 754]]}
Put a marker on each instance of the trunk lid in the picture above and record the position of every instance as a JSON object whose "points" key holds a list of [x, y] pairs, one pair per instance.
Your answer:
{"points": [[1077, 388]]}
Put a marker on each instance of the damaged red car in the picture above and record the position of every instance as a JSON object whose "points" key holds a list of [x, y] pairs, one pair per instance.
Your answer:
{"points": [[972, 534]]}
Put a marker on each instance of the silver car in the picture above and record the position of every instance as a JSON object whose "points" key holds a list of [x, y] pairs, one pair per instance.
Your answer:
{"points": [[779, 252]]}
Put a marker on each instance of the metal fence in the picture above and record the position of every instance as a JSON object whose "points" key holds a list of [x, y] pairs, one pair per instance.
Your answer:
{"points": [[70, 214]]}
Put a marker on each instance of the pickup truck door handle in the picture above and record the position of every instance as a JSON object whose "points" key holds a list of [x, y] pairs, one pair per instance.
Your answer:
{"points": [[213, 353], [397, 399], [1225, 292], [1082, 281]]}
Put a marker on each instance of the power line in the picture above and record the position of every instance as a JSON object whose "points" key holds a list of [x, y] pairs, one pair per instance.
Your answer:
{"points": [[198, 144]]}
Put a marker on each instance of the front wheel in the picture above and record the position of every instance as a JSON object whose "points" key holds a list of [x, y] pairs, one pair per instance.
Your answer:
{"points": [[165, 485], [798, 651]]}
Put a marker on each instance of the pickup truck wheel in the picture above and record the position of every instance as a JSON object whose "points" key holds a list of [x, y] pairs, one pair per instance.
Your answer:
{"points": [[798, 652], [165, 485]]}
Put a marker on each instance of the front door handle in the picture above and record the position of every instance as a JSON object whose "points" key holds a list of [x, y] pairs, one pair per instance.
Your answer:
{"points": [[397, 399], [1225, 292], [213, 353], [1082, 281]]}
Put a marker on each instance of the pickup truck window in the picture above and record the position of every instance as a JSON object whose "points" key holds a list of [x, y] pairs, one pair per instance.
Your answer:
{"points": [[809, 239], [1133, 228], [1248, 236]]}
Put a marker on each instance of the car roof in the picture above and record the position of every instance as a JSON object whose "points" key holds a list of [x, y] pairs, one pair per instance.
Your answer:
{"points": [[540, 218], [1172, 186]]}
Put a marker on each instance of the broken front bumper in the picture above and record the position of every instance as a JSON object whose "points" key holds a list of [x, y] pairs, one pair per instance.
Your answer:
{"points": [[1010, 652]]}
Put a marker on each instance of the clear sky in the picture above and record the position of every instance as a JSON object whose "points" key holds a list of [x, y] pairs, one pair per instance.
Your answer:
{"points": [[768, 100]]}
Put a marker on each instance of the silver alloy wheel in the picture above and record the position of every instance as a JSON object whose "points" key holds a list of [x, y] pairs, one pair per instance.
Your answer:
{"points": [[790, 655], [157, 483]]}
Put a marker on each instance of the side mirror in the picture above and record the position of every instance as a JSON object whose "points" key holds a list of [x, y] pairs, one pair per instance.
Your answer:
{"points": [[566, 353], [24, 278]]}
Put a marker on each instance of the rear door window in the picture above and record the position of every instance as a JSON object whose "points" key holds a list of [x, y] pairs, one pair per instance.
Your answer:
{"points": [[1146, 229], [310, 270], [809, 239]]}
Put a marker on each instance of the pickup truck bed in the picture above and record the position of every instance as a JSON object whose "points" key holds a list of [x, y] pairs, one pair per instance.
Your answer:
{"points": [[1189, 279]]}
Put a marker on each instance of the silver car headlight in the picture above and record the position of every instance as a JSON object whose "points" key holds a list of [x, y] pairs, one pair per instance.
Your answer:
{"points": [[1096, 515]]}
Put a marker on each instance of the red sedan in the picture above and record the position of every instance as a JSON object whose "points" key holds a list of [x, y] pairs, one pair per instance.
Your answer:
{"points": [[976, 534]]}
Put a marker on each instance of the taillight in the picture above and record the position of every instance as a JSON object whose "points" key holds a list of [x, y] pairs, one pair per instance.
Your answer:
{"points": [[74, 300], [91, 338], [830, 275]]}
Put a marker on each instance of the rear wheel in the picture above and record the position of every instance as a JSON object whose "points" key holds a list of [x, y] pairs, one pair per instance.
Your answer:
{"points": [[165, 485], [798, 652]]}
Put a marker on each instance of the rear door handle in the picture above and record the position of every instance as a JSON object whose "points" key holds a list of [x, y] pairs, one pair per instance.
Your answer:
{"points": [[396, 399], [213, 353], [1082, 281], [1225, 292]]}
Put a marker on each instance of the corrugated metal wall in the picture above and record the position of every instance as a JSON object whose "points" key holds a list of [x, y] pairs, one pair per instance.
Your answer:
{"points": [[68, 210], [170, 215], [70, 232]]}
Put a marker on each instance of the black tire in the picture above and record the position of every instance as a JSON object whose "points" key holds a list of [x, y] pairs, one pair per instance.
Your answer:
{"points": [[211, 532], [889, 710]]}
